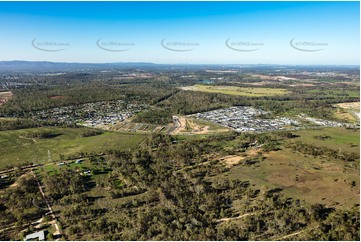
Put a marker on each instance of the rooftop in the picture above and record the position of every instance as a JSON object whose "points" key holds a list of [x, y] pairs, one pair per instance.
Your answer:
{"points": [[38, 235]]}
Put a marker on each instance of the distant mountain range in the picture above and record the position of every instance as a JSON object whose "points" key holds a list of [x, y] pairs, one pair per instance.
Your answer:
{"points": [[46, 66]]}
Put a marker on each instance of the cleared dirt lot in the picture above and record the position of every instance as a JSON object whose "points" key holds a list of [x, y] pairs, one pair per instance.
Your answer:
{"points": [[187, 125]]}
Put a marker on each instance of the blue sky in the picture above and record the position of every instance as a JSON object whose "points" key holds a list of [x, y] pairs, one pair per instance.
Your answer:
{"points": [[200, 28]]}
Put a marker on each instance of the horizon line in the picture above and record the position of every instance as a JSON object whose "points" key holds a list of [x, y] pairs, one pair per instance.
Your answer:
{"points": [[194, 64]]}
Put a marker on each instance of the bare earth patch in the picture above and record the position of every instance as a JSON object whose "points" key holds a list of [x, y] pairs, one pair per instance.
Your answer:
{"points": [[231, 160], [188, 126], [252, 152], [302, 85], [16, 183], [5, 96], [352, 105], [56, 97], [348, 111]]}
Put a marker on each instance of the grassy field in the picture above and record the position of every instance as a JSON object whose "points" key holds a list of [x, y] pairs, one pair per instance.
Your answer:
{"points": [[344, 139], [16, 147], [307, 178], [313, 179], [339, 92], [239, 91], [140, 128], [8, 119]]}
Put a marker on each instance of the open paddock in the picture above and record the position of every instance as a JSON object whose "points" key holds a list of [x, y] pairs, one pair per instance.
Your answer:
{"points": [[19, 146], [238, 91]]}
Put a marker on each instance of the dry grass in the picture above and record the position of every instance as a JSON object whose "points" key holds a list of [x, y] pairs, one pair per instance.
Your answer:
{"points": [[238, 91], [312, 179], [352, 105]]}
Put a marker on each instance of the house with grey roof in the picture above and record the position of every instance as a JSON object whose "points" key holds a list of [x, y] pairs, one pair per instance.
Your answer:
{"points": [[38, 236]]}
